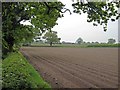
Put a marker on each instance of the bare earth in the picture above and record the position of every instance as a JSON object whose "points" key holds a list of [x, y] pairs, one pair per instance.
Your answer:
{"points": [[75, 67]]}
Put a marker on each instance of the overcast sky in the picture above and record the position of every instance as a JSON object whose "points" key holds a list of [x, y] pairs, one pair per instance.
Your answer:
{"points": [[71, 27]]}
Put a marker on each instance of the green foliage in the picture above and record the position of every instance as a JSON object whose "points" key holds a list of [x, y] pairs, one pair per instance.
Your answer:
{"points": [[17, 74], [42, 16], [104, 45], [98, 12], [45, 14], [86, 45], [51, 37], [79, 40], [111, 41]]}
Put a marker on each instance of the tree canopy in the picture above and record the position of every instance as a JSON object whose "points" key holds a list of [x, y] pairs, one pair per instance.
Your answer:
{"points": [[51, 37], [79, 40], [42, 16], [111, 41], [98, 12]]}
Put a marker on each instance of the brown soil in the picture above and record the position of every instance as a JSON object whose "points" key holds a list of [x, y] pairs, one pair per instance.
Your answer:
{"points": [[75, 67]]}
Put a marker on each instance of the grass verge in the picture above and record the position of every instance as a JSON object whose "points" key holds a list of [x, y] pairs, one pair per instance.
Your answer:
{"points": [[76, 45], [104, 45], [17, 73]]}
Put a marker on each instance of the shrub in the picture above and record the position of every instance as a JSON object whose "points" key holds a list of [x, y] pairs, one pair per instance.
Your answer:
{"points": [[17, 73]]}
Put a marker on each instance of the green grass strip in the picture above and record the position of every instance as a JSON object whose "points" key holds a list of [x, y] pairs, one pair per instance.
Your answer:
{"points": [[17, 73]]}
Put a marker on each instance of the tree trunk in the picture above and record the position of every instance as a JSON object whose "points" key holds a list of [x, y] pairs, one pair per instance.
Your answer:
{"points": [[11, 47], [51, 44], [10, 41]]}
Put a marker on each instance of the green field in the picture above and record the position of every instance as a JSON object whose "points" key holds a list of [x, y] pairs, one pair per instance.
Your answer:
{"points": [[74, 45], [17, 73], [58, 45], [104, 45]]}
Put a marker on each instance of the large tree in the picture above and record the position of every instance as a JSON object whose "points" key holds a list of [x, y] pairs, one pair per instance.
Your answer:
{"points": [[79, 40], [111, 41], [51, 37], [42, 16]]}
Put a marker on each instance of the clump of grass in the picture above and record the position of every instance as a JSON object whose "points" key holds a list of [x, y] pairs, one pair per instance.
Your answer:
{"points": [[17, 73]]}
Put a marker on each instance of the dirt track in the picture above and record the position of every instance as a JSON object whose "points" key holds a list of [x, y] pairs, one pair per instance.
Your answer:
{"points": [[75, 67]]}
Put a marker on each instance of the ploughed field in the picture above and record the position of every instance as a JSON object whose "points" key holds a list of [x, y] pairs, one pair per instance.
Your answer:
{"points": [[75, 67]]}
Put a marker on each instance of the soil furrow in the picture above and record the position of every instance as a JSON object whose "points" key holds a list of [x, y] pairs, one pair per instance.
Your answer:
{"points": [[75, 67], [85, 74]]}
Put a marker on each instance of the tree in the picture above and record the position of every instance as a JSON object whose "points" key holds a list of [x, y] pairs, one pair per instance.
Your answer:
{"points": [[96, 42], [111, 41], [42, 16], [98, 12], [79, 40], [51, 37]]}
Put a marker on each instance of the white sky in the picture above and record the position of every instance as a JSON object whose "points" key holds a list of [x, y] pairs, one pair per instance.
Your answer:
{"points": [[71, 27]]}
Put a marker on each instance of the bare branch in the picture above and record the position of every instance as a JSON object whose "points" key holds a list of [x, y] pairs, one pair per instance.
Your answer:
{"points": [[66, 10], [52, 7]]}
